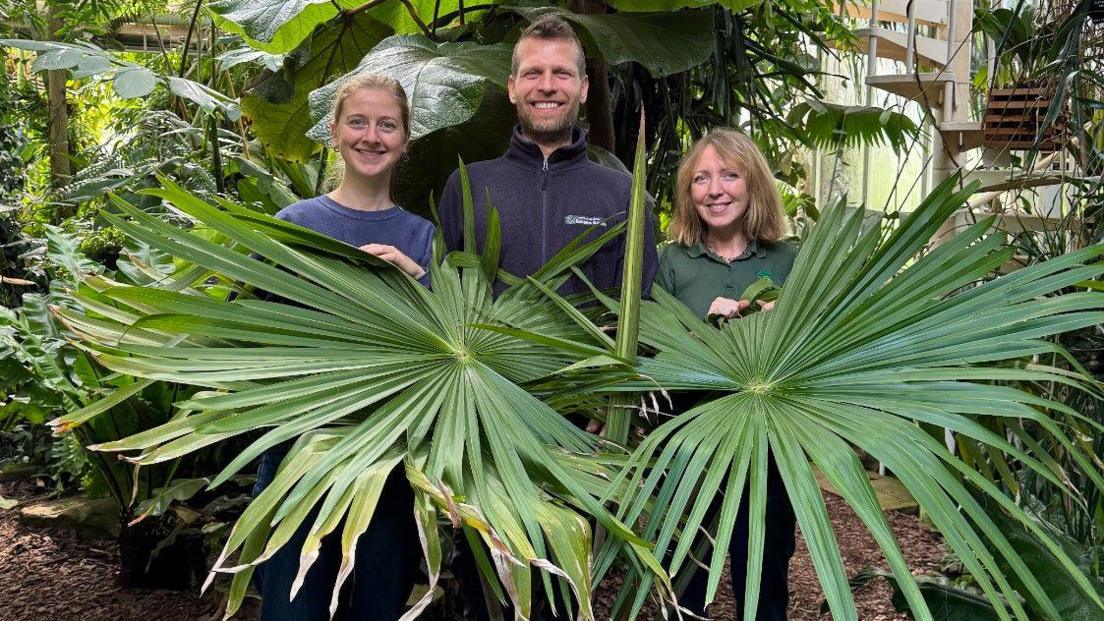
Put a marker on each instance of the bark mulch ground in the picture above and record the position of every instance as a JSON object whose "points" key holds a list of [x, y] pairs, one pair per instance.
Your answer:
{"points": [[49, 574]]}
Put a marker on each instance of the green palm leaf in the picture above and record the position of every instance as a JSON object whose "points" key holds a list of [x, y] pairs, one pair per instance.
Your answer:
{"points": [[369, 371], [866, 341]]}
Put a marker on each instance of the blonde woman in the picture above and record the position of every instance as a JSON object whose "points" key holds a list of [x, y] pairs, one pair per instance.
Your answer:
{"points": [[370, 131], [726, 232]]}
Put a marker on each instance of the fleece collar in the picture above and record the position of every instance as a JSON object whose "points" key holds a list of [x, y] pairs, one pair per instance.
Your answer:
{"points": [[527, 153]]}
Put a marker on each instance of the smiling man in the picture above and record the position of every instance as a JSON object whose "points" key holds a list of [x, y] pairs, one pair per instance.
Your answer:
{"points": [[545, 189], [547, 193]]}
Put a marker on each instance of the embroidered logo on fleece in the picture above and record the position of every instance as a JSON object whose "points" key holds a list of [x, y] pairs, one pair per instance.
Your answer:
{"points": [[584, 220]]}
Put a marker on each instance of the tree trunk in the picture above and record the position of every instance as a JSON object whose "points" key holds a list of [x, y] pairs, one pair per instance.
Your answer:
{"points": [[60, 170], [599, 107]]}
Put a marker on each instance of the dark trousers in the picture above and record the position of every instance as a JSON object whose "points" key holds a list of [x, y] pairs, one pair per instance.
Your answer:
{"points": [[467, 574], [778, 549], [388, 555]]}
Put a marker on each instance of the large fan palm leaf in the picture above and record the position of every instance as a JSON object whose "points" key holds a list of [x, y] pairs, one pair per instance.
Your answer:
{"points": [[867, 345], [370, 371]]}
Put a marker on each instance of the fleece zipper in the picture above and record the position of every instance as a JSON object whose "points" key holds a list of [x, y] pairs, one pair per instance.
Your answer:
{"points": [[544, 212]]}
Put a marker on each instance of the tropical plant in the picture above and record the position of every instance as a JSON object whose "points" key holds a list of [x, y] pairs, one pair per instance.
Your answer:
{"points": [[371, 372], [375, 371], [953, 600], [129, 79], [1054, 45], [11, 138], [42, 375], [866, 347]]}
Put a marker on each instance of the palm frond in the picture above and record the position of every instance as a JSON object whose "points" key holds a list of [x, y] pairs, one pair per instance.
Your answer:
{"points": [[369, 370], [866, 341], [831, 125]]}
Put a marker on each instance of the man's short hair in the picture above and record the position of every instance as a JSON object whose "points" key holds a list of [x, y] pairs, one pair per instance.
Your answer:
{"points": [[550, 28]]}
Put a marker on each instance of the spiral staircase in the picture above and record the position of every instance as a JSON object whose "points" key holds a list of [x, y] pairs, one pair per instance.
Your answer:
{"points": [[930, 41]]}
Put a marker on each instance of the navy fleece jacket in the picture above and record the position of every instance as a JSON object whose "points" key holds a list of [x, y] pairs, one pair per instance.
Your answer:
{"points": [[542, 206]]}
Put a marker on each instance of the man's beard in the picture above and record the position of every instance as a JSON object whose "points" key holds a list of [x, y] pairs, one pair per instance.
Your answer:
{"points": [[557, 133]]}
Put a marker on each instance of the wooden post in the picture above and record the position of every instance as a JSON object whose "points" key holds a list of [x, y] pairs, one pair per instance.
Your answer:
{"points": [[60, 169], [946, 157]]}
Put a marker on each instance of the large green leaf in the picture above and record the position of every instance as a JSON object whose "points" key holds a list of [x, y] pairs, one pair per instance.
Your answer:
{"points": [[275, 26], [63, 250], [1072, 603], [369, 370], [134, 82], [279, 105], [278, 26], [431, 159], [946, 601], [400, 15], [445, 82], [865, 342], [664, 43]]}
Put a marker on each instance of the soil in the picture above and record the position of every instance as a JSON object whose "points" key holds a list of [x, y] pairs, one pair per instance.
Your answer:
{"points": [[51, 574]]}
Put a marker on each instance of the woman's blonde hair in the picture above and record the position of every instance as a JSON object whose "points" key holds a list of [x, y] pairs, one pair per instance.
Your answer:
{"points": [[371, 81], [764, 219]]}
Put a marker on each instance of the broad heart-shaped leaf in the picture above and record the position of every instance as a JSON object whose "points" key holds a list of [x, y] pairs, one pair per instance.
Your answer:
{"points": [[279, 105], [369, 370], [866, 341], [274, 26], [134, 82], [664, 43], [445, 82], [278, 26]]}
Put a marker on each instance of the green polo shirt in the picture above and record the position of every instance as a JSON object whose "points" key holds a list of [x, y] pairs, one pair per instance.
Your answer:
{"points": [[696, 276]]}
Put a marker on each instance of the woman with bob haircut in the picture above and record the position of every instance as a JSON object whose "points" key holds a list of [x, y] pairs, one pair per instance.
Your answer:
{"points": [[726, 232]]}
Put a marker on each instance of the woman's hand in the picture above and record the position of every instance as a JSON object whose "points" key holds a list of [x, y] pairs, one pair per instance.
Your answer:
{"points": [[727, 308], [395, 257], [765, 305], [596, 427]]}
